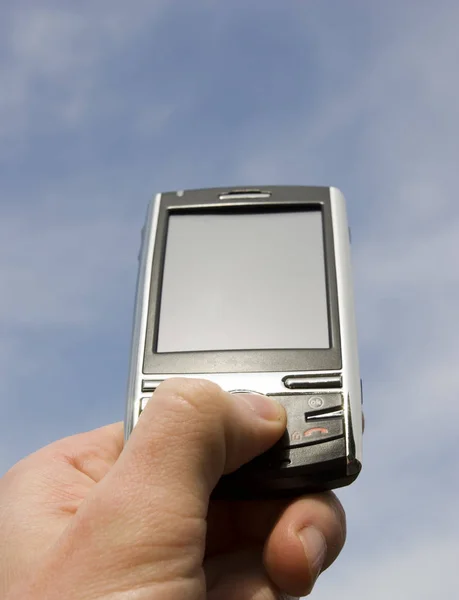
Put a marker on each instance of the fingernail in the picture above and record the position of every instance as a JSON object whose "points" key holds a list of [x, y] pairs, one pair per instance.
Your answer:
{"points": [[265, 407], [315, 547]]}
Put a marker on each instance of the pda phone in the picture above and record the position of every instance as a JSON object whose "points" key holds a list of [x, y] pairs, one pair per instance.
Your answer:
{"points": [[252, 289]]}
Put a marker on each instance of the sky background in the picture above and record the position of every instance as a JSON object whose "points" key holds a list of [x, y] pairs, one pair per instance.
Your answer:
{"points": [[104, 103]]}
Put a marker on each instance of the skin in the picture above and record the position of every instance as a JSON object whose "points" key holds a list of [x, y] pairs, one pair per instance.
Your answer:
{"points": [[89, 518]]}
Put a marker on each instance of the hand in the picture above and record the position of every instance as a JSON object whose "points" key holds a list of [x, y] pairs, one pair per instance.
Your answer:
{"points": [[85, 519]]}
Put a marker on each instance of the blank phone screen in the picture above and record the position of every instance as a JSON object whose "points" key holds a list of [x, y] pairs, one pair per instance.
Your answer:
{"points": [[244, 281]]}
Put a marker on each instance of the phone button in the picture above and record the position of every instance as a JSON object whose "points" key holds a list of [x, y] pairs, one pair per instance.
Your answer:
{"points": [[309, 404], [298, 382], [150, 385], [302, 433], [313, 403]]}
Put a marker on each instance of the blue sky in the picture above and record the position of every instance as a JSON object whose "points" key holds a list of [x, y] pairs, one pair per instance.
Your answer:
{"points": [[104, 103]]}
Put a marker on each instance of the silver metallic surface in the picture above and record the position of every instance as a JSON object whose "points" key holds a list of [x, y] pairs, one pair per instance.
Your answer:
{"points": [[140, 317], [349, 346]]}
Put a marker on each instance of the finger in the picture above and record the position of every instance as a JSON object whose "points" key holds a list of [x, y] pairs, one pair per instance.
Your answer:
{"points": [[236, 524], [307, 538], [151, 508], [192, 432]]}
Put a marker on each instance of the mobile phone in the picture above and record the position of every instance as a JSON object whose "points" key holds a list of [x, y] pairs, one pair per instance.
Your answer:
{"points": [[252, 289]]}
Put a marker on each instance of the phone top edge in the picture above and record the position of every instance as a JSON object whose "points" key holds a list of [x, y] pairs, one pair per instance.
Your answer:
{"points": [[245, 189]]}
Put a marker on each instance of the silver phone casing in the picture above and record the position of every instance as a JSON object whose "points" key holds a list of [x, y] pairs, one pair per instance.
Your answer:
{"points": [[270, 383]]}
